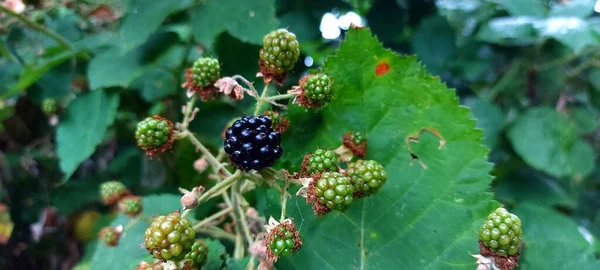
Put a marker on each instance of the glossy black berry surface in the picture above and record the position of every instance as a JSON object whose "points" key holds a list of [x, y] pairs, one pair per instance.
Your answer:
{"points": [[251, 143]]}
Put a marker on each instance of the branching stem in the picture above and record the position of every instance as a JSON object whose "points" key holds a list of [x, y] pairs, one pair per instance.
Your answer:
{"points": [[209, 219], [263, 97]]}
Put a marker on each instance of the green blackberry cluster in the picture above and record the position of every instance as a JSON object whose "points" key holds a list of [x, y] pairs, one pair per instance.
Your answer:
{"points": [[110, 236], [206, 71], [170, 237], [367, 176], [198, 254], [333, 190], [280, 51], [318, 89], [282, 242], [321, 161], [358, 137], [501, 232], [131, 205], [112, 191], [49, 106], [153, 133]]}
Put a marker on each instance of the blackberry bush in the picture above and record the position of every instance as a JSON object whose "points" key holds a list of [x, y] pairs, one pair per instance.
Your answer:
{"points": [[251, 143], [367, 176], [501, 232], [320, 161], [330, 191], [280, 52], [170, 237]]}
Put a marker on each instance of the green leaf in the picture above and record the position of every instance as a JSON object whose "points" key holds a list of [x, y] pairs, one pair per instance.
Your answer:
{"points": [[509, 31], [577, 8], [156, 84], [128, 253], [216, 254], [489, 117], [248, 21], [434, 55], [145, 19], [587, 119], [423, 218], [547, 141], [82, 128], [573, 32], [568, 247], [536, 8]]}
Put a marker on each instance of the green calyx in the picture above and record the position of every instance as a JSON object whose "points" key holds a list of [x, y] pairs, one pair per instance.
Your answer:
{"points": [[501, 232], [321, 161], [112, 191], [170, 237], [318, 89], [198, 254], [206, 71], [367, 176], [334, 190], [153, 133], [280, 51]]}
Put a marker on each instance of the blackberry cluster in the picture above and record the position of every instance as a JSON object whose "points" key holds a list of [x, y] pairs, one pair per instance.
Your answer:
{"points": [[49, 106], [280, 51], [112, 191], [321, 161], [198, 254], [131, 205], [367, 176], [251, 143], [153, 133], [206, 71], [501, 232], [170, 237], [282, 243], [358, 137], [110, 236], [333, 190], [318, 89]]}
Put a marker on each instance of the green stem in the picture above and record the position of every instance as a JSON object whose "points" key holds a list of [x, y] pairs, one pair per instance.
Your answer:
{"points": [[38, 27], [217, 233], [280, 97], [188, 111], [238, 252], [211, 218], [242, 216], [260, 101], [284, 199], [219, 187], [211, 158]]}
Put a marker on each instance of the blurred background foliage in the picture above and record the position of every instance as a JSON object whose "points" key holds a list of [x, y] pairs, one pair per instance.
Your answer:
{"points": [[529, 71]]}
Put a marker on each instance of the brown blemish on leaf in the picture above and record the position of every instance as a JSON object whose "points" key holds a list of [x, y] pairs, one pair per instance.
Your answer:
{"points": [[382, 68], [414, 138]]}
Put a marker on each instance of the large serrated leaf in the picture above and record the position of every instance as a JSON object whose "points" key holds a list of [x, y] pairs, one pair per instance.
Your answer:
{"points": [[82, 128], [427, 214], [246, 20]]}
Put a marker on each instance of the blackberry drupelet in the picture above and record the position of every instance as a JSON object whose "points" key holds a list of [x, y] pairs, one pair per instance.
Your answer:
{"points": [[501, 232], [251, 143], [332, 190]]}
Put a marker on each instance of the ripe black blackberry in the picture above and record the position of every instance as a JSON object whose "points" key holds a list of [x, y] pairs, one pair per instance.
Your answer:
{"points": [[251, 143]]}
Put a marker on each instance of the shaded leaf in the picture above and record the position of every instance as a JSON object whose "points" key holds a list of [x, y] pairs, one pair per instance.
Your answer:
{"points": [[248, 21], [156, 84], [536, 8], [82, 128], [216, 254], [509, 31], [577, 8], [489, 118], [547, 141]]}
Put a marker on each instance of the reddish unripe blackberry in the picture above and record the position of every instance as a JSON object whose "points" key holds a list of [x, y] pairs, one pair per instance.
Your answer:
{"points": [[170, 237]]}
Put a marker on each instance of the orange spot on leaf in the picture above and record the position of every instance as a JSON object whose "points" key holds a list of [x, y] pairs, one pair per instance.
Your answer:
{"points": [[382, 68]]}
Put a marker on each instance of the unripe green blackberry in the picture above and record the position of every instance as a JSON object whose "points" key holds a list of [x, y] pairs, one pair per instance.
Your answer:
{"points": [[110, 236], [317, 90], [367, 176], [154, 134], [332, 190], [358, 137], [170, 237], [280, 51], [49, 106], [131, 205], [282, 240], [501, 232], [112, 191], [320, 161], [198, 254], [206, 71]]}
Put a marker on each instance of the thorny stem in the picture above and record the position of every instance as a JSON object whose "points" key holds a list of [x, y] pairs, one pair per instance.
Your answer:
{"points": [[212, 218], [238, 252], [38, 27], [260, 100], [217, 189], [188, 110]]}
